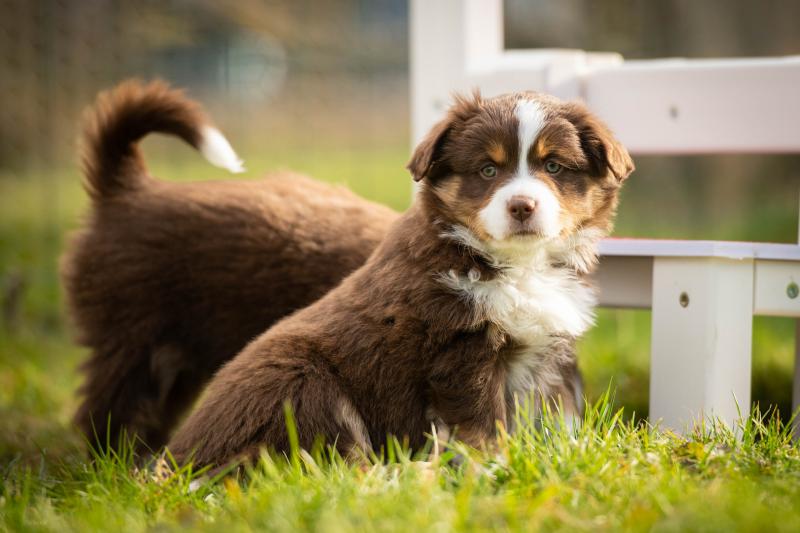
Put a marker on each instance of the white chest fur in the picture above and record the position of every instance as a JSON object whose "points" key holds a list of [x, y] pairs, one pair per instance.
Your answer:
{"points": [[531, 304], [536, 305]]}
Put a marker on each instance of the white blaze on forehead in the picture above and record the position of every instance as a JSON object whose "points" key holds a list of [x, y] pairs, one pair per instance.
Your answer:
{"points": [[495, 216], [531, 120]]}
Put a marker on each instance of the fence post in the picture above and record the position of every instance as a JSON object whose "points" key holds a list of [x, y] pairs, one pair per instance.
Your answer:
{"points": [[447, 36]]}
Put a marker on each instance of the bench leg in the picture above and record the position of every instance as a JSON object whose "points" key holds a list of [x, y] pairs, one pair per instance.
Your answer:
{"points": [[701, 340], [796, 382]]}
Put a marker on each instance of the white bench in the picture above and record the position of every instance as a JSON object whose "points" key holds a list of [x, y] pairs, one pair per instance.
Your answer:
{"points": [[703, 293]]}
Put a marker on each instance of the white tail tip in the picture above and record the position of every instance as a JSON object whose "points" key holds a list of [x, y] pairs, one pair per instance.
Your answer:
{"points": [[216, 148]]}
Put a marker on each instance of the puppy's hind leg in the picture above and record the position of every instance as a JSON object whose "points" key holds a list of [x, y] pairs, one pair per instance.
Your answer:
{"points": [[322, 409], [353, 442], [174, 386], [115, 381], [137, 395], [244, 411]]}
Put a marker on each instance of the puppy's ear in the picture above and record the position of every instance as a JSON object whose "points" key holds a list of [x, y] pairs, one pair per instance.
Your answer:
{"points": [[424, 160], [424, 157], [605, 153]]}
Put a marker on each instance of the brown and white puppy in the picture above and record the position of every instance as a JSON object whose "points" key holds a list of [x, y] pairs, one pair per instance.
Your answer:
{"points": [[469, 305], [167, 281]]}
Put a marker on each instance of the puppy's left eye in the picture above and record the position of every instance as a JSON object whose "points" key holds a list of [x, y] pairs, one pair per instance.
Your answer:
{"points": [[552, 167], [489, 171]]}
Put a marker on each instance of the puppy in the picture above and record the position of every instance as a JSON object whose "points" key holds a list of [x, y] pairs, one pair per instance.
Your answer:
{"points": [[166, 282], [469, 306]]}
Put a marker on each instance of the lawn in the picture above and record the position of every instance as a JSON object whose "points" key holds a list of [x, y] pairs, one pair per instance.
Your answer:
{"points": [[614, 472]]}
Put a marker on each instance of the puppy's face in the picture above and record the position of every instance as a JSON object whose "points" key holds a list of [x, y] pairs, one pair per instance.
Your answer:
{"points": [[522, 167]]}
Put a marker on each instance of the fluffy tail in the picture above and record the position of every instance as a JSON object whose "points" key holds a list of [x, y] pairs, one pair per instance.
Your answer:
{"points": [[121, 117]]}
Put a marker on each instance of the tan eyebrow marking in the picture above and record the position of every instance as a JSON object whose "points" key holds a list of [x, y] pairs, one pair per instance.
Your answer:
{"points": [[564, 147], [542, 147], [497, 153]]}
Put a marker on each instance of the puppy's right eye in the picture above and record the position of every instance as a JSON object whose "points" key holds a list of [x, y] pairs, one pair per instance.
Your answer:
{"points": [[489, 171]]}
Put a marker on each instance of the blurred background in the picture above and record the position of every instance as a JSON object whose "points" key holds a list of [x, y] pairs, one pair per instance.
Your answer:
{"points": [[322, 87]]}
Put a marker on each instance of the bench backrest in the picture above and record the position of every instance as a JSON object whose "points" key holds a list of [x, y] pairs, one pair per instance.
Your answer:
{"points": [[667, 106]]}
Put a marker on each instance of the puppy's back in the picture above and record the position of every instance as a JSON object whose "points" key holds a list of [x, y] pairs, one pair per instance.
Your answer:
{"points": [[218, 260]]}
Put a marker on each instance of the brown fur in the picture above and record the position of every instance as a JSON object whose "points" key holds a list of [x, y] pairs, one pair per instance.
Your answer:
{"points": [[168, 281], [394, 343]]}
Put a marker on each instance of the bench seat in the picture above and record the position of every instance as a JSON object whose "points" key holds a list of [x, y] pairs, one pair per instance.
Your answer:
{"points": [[677, 248], [625, 276]]}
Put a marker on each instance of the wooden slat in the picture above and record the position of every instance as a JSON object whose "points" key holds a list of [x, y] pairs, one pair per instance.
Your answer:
{"points": [[700, 106]]}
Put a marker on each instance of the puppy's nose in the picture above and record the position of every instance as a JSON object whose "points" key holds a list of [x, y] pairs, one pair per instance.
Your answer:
{"points": [[521, 207]]}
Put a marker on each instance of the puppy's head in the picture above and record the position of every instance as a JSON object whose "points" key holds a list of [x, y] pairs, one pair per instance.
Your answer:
{"points": [[521, 168]]}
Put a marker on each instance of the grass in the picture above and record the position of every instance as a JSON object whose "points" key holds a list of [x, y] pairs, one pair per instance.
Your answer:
{"points": [[607, 474], [614, 472]]}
